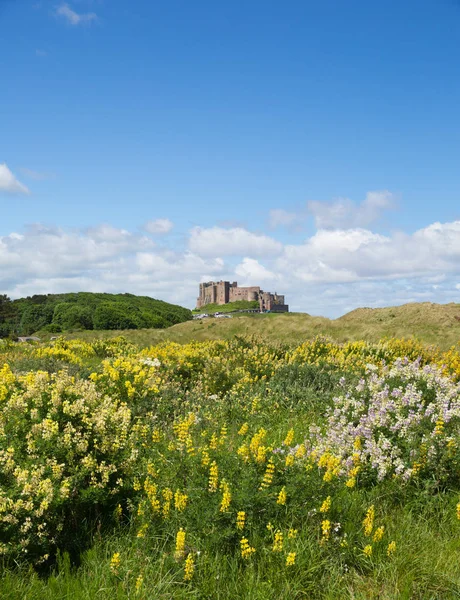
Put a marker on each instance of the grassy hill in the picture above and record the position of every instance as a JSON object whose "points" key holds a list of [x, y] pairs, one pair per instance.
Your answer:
{"points": [[430, 323], [229, 307], [86, 311]]}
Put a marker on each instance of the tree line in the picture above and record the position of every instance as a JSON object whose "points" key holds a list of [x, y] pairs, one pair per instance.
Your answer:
{"points": [[56, 313]]}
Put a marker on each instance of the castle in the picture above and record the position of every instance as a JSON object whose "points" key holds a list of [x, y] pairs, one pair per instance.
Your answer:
{"points": [[222, 292]]}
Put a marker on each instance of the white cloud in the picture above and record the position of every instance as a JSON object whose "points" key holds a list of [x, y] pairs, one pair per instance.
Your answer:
{"points": [[329, 273], [8, 182], [236, 241], [354, 254], [72, 17], [343, 213], [159, 226], [104, 258], [251, 270]]}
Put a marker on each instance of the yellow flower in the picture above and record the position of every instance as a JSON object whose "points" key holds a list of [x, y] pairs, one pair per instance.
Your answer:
{"points": [[180, 500], [289, 460], [439, 429], [391, 548], [378, 534], [115, 563], [268, 475], [292, 533], [240, 519], [189, 568], [243, 429], [142, 530], [278, 542], [289, 438], [326, 529], [301, 451], [226, 497], [139, 583], [282, 496], [180, 544], [326, 505], [205, 460], [368, 522], [213, 477], [168, 496], [458, 510], [367, 550], [290, 559], [246, 549]]}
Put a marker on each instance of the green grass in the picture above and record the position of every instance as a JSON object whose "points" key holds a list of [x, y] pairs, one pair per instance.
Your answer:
{"points": [[226, 308], [428, 570], [430, 323]]}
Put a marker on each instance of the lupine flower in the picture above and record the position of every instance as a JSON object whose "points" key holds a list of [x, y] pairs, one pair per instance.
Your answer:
{"points": [[115, 562], [268, 475], [213, 477], [226, 497], [139, 584], [378, 534], [367, 550], [180, 544], [240, 519], [282, 496], [326, 529], [391, 548], [189, 567], [278, 542], [246, 550], [368, 522], [326, 505], [289, 438]]}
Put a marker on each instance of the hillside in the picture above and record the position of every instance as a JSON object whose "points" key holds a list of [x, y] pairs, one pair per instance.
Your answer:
{"points": [[57, 313], [229, 307], [430, 323]]}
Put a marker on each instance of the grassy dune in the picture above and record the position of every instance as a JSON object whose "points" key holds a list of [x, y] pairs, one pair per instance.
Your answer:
{"points": [[430, 323]]}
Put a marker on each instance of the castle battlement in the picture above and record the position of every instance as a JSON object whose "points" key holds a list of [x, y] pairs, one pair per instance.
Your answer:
{"points": [[223, 292]]}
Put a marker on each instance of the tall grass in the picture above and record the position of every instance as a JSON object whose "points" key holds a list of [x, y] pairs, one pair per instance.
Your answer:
{"points": [[429, 323]]}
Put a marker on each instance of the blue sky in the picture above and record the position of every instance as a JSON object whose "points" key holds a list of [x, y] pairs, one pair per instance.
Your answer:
{"points": [[307, 147]]}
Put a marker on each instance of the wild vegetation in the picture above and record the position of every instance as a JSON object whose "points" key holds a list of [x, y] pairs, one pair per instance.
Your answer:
{"points": [[55, 313], [229, 469], [229, 307], [431, 323]]}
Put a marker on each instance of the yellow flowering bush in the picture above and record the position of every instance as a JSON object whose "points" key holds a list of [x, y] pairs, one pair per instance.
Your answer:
{"points": [[65, 449]]}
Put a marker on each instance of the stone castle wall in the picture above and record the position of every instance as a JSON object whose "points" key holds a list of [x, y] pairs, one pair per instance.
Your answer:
{"points": [[222, 292]]}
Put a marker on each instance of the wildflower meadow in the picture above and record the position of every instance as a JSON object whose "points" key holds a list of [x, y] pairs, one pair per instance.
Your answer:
{"points": [[229, 469]]}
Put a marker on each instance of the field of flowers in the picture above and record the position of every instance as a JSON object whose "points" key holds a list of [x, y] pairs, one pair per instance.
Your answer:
{"points": [[229, 469]]}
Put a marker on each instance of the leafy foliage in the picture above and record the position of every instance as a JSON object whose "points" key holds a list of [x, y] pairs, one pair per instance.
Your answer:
{"points": [[86, 311]]}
